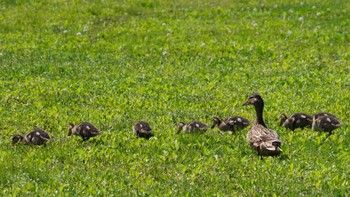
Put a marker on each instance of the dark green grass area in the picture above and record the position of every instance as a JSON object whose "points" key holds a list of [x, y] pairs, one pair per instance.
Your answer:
{"points": [[113, 63]]}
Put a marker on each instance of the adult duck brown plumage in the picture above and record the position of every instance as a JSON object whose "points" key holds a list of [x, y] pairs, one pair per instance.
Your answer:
{"points": [[260, 138]]}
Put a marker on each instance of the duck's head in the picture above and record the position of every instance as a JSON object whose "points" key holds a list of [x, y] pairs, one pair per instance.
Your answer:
{"points": [[283, 119], [180, 126], [215, 121], [70, 129], [17, 139], [254, 99]]}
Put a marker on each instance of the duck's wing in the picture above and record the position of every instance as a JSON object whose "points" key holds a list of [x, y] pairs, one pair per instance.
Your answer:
{"points": [[142, 127], [44, 135], [237, 122], [146, 129], [87, 129], [37, 136], [259, 134], [264, 140], [201, 126], [196, 126]]}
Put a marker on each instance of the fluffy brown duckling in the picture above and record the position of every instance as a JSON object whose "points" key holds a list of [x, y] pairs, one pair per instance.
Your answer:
{"points": [[85, 130], [325, 123], [192, 127], [296, 120], [260, 138], [233, 123], [34, 137], [142, 129]]}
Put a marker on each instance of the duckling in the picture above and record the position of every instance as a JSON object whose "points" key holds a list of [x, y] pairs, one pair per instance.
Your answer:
{"points": [[85, 129], [261, 139], [296, 120], [142, 129], [34, 137], [233, 123], [325, 123], [192, 127]]}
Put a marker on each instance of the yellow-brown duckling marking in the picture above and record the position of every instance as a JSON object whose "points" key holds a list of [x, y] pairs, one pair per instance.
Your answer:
{"points": [[142, 129], [192, 127], [325, 123], [34, 137], [296, 120], [233, 123], [85, 130]]}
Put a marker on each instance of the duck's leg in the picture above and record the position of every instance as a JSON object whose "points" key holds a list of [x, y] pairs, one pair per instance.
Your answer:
{"points": [[259, 154], [329, 133], [85, 138]]}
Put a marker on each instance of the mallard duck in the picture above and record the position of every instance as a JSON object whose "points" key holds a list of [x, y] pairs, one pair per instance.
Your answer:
{"points": [[233, 123], [192, 127], [261, 139], [296, 120], [142, 130], [35, 137], [85, 129], [325, 123]]}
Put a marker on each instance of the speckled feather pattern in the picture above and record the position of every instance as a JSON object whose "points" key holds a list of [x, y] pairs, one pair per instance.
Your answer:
{"points": [[262, 138], [233, 123], [86, 130], [142, 129], [194, 126], [297, 120], [34, 137], [325, 123]]}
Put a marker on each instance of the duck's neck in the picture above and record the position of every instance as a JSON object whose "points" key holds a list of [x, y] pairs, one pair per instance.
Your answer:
{"points": [[219, 121], [259, 114]]}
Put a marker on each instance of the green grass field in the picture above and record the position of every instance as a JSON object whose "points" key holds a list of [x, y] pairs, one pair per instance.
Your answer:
{"points": [[113, 63]]}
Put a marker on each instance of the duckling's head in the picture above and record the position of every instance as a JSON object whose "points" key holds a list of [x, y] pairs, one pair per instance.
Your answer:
{"points": [[70, 129], [283, 119], [17, 139], [254, 99], [180, 126], [215, 121]]}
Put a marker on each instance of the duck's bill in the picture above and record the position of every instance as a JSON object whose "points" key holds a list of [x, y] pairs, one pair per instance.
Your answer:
{"points": [[246, 103]]}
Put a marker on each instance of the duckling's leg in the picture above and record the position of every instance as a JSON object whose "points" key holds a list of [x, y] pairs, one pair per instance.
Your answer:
{"points": [[259, 154], [85, 138], [233, 131], [329, 133]]}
